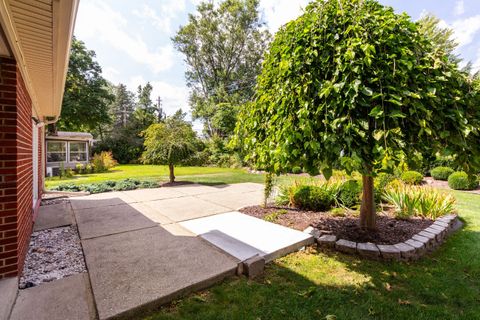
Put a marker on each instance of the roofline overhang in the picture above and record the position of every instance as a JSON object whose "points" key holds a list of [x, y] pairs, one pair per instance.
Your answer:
{"points": [[64, 15]]}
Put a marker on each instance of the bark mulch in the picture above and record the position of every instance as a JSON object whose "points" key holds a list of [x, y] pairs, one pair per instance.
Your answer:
{"points": [[389, 230]]}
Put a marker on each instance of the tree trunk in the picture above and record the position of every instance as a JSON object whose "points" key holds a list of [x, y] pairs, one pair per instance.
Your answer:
{"points": [[367, 209], [172, 176]]}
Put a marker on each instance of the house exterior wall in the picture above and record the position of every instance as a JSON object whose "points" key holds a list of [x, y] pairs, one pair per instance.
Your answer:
{"points": [[16, 169]]}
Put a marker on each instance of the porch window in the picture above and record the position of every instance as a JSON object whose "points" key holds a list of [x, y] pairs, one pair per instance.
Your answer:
{"points": [[78, 151], [56, 151]]}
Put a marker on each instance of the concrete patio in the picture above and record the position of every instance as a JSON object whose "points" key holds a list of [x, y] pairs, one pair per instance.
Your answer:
{"points": [[144, 248]]}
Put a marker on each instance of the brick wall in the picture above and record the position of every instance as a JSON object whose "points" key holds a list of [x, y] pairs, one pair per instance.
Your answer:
{"points": [[15, 169]]}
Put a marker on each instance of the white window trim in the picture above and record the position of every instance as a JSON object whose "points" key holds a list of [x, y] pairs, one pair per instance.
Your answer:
{"points": [[66, 151]]}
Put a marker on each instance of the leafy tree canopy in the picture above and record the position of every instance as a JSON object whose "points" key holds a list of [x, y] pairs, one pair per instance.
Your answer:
{"points": [[442, 38], [223, 47], [170, 142], [352, 83], [86, 97]]}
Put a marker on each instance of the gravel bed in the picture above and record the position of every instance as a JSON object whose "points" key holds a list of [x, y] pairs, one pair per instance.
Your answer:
{"points": [[53, 254]]}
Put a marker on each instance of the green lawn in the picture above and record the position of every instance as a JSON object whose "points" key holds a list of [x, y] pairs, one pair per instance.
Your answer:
{"points": [[160, 173], [313, 285]]}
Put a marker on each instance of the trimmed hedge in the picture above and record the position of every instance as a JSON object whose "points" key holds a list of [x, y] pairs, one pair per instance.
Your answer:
{"points": [[412, 177], [441, 173], [313, 198], [349, 193], [461, 181]]}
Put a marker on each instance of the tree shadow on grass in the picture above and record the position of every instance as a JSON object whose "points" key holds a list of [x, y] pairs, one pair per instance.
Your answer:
{"points": [[312, 285]]}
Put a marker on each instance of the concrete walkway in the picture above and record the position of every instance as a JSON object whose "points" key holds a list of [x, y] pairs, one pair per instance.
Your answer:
{"points": [[142, 248]]}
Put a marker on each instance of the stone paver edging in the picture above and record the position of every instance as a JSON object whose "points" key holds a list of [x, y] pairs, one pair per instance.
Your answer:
{"points": [[421, 243]]}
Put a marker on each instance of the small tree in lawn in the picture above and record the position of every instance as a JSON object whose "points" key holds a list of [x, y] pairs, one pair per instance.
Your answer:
{"points": [[352, 84], [169, 142]]}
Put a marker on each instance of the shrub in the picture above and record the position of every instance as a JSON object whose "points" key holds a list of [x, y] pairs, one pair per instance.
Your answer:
{"points": [[97, 187], [70, 187], [103, 161], [412, 177], [88, 168], [148, 184], [441, 173], [349, 193], [296, 170], [412, 201], [80, 168], [380, 183], [460, 180], [313, 198], [126, 184]]}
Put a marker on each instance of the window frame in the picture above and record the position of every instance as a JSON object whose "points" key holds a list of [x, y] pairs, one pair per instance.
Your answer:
{"points": [[65, 152], [85, 151]]}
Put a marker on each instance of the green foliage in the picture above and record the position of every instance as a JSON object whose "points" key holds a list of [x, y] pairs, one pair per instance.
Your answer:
{"points": [[103, 161], [127, 184], [223, 45], [442, 38], [107, 186], [412, 177], [170, 142], [70, 187], [124, 148], [425, 202], [460, 180], [380, 183], [296, 170], [313, 198], [86, 98], [268, 189], [441, 173], [349, 193], [272, 217], [353, 80]]}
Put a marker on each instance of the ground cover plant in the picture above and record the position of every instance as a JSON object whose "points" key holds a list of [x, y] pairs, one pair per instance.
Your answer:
{"points": [[160, 173]]}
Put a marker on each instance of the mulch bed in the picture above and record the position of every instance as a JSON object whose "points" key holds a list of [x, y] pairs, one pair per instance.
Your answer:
{"points": [[389, 230]]}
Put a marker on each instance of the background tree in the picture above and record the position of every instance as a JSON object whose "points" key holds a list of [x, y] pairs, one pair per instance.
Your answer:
{"points": [[441, 38], [86, 97], [170, 142], [123, 106], [352, 80], [223, 47], [144, 113]]}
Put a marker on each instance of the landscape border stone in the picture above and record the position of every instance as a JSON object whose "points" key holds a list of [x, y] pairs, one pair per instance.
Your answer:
{"points": [[412, 249]]}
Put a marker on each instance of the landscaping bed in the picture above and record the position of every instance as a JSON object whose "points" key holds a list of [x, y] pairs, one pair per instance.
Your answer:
{"points": [[53, 254], [389, 229]]}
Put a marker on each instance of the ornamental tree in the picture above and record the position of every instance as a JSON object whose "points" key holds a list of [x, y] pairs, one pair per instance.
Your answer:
{"points": [[351, 84], [170, 142]]}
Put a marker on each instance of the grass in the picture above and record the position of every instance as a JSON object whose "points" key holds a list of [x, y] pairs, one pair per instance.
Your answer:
{"points": [[207, 175], [315, 285]]}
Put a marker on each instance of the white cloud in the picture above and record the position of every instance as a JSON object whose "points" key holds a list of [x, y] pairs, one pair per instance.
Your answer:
{"points": [[459, 8], [476, 63], [173, 97], [162, 21], [279, 12], [98, 20], [466, 29]]}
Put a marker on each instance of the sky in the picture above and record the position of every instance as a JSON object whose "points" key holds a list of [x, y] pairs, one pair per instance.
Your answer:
{"points": [[132, 39]]}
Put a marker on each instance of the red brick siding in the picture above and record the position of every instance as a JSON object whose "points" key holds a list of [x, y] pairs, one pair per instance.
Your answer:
{"points": [[15, 169]]}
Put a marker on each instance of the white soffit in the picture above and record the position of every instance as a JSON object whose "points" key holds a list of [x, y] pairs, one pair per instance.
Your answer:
{"points": [[40, 33]]}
